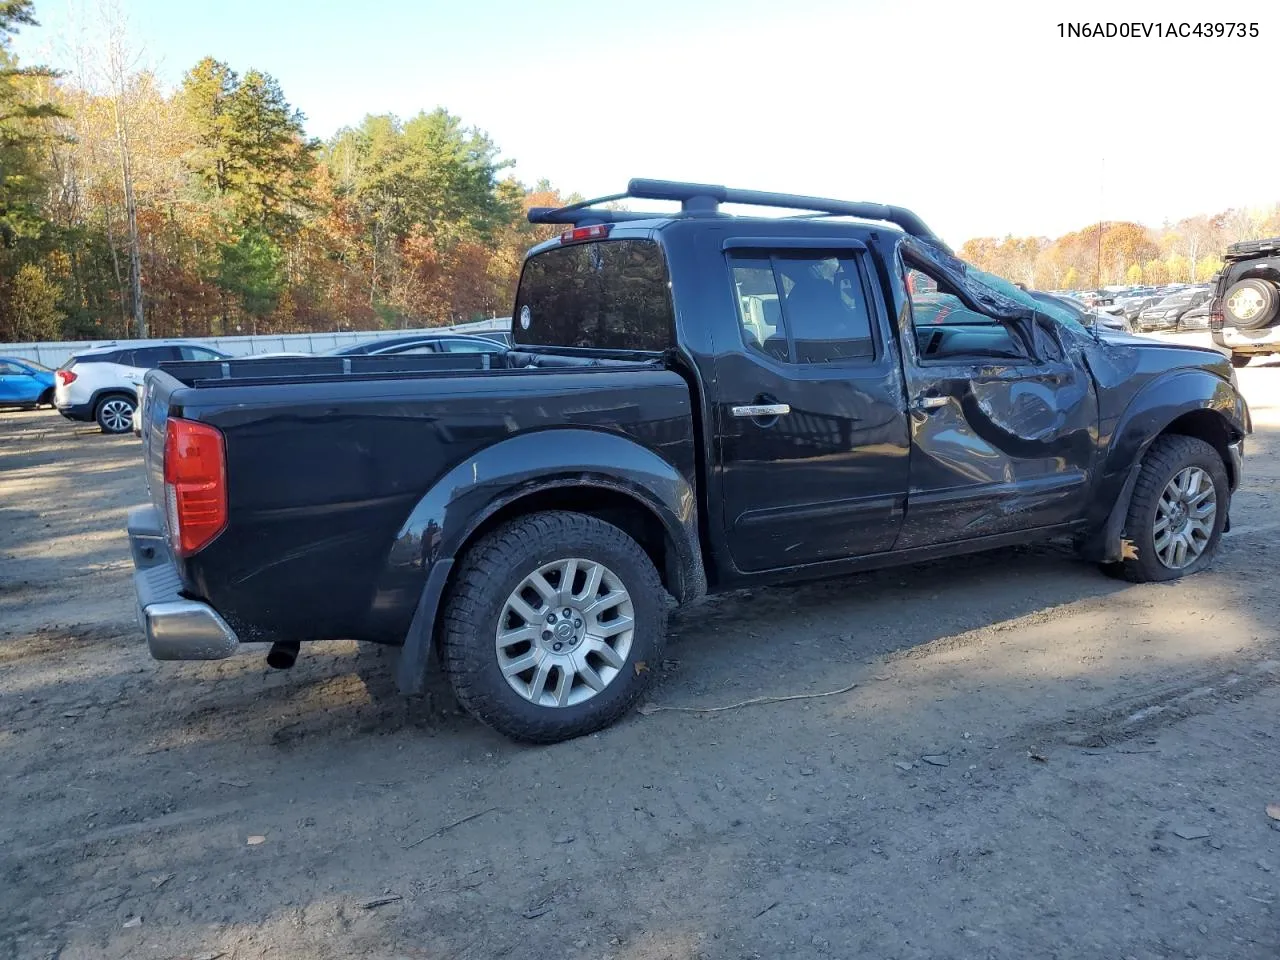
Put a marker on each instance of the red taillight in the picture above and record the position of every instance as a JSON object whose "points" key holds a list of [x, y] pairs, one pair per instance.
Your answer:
{"points": [[66, 377], [195, 484], [595, 232]]}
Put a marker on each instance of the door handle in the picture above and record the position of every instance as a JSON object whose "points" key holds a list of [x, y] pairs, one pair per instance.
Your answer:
{"points": [[928, 403], [759, 411]]}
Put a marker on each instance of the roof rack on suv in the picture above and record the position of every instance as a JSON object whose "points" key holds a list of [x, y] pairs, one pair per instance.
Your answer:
{"points": [[1249, 248], [704, 199]]}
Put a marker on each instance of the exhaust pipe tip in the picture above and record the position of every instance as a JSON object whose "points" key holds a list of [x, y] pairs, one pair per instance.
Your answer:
{"points": [[283, 654]]}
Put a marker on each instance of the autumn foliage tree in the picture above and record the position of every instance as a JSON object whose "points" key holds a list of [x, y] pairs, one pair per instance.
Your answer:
{"points": [[239, 221]]}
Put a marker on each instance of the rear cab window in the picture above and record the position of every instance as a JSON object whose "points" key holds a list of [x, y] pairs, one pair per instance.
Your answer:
{"points": [[803, 307], [605, 294]]}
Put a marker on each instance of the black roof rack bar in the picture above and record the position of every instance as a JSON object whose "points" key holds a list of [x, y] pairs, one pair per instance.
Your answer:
{"points": [[579, 216], [705, 198]]}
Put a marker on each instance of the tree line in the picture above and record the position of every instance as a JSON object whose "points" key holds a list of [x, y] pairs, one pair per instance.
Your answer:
{"points": [[1114, 253], [128, 210]]}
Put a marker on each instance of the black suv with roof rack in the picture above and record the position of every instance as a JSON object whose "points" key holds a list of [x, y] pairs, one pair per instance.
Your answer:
{"points": [[693, 402], [1245, 318]]}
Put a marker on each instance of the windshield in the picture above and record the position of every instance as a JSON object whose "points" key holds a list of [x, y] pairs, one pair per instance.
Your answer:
{"points": [[1054, 309], [995, 295]]}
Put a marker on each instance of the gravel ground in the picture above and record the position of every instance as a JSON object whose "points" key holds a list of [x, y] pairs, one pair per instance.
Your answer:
{"points": [[1036, 761]]}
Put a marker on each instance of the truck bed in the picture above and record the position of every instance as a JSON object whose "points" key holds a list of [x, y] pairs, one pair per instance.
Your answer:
{"points": [[328, 457]]}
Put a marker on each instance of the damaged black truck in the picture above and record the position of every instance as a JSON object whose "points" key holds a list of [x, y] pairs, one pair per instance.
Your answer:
{"points": [[694, 401]]}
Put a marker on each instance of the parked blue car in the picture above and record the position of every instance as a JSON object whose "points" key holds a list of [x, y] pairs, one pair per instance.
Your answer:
{"points": [[25, 383]]}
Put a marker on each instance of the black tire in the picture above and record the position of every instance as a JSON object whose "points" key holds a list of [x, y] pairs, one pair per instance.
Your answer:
{"points": [[110, 415], [1239, 360], [1254, 289], [46, 398], [1168, 456], [492, 569]]}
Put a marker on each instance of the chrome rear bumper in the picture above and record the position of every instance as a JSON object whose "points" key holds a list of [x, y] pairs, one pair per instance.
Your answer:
{"points": [[177, 628]]}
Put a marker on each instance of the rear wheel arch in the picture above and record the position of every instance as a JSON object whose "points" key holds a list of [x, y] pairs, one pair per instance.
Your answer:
{"points": [[624, 509]]}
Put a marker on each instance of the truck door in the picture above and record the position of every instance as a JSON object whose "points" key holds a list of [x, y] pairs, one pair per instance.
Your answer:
{"points": [[1001, 440], [811, 434]]}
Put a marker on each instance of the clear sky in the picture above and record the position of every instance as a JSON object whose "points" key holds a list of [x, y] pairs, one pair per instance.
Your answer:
{"points": [[976, 114]]}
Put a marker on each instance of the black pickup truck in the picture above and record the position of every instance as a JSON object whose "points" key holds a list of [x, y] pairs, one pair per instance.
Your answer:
{"points": [[693, 401]]}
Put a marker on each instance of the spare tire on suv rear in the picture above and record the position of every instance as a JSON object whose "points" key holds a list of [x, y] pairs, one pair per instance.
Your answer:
{"points": [[1251, 304]]}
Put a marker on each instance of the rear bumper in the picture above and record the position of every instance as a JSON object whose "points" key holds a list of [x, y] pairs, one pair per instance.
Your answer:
{"points": [[176, 628], [76, 411], [1248, 341]]}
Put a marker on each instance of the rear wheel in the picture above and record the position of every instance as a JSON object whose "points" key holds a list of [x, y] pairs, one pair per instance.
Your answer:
{"points": [[115, 414], [1251, 304], [552, 627], [1177, 511]]}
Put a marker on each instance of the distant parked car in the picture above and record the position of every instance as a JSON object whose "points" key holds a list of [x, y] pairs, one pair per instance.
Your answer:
{"points": [[24, 383], [421, 343], [1164, 316], [1089, 318], [1197, 318], [101, 384]]}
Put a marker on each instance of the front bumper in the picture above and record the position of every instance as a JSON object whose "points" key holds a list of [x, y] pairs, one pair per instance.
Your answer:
{"points": [[177, 628]]}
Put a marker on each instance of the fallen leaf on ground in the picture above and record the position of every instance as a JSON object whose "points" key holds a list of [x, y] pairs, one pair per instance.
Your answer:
{"points": [[1190, 833], [1037, 756], [133, 922], [234, 783], [937, 760], [1273, 811], [161, 880], [254, 841], [380, 901]]}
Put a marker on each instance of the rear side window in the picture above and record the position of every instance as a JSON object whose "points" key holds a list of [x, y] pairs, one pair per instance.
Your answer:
{"points": [[611, 294], [807, 308], [196, 353]]}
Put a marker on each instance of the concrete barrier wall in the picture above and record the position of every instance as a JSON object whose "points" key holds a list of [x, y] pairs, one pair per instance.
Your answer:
{"points": [[54, 354]]}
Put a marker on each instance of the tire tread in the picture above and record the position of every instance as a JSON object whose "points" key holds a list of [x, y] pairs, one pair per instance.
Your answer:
{"points": [[488, 563], [1167, 454]]}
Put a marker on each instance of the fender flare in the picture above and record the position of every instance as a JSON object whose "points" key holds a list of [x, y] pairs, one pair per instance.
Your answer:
{"points": [[444, 519]]}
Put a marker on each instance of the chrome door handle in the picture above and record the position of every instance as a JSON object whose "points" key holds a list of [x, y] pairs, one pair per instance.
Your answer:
{"points": [[928, 403], [758, 411]]}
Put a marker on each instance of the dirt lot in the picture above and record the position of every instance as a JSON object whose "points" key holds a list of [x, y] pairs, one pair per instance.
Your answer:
{"points": [[1036, 762]]}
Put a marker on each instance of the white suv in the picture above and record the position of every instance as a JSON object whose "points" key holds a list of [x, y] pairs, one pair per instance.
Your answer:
{"points": [[101, 384]]}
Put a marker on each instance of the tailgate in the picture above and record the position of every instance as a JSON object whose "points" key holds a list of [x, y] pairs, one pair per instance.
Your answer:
{"points": [[157, 388]]}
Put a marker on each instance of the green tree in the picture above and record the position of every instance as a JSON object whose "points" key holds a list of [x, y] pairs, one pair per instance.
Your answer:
{"points": [[23, 133], [249, 271], [33, 312], [251, 146]]}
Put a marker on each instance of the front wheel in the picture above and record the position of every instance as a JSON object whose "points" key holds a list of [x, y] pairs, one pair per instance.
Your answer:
{"points": [[1177, 512], [115, 414], [553, 627]]}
